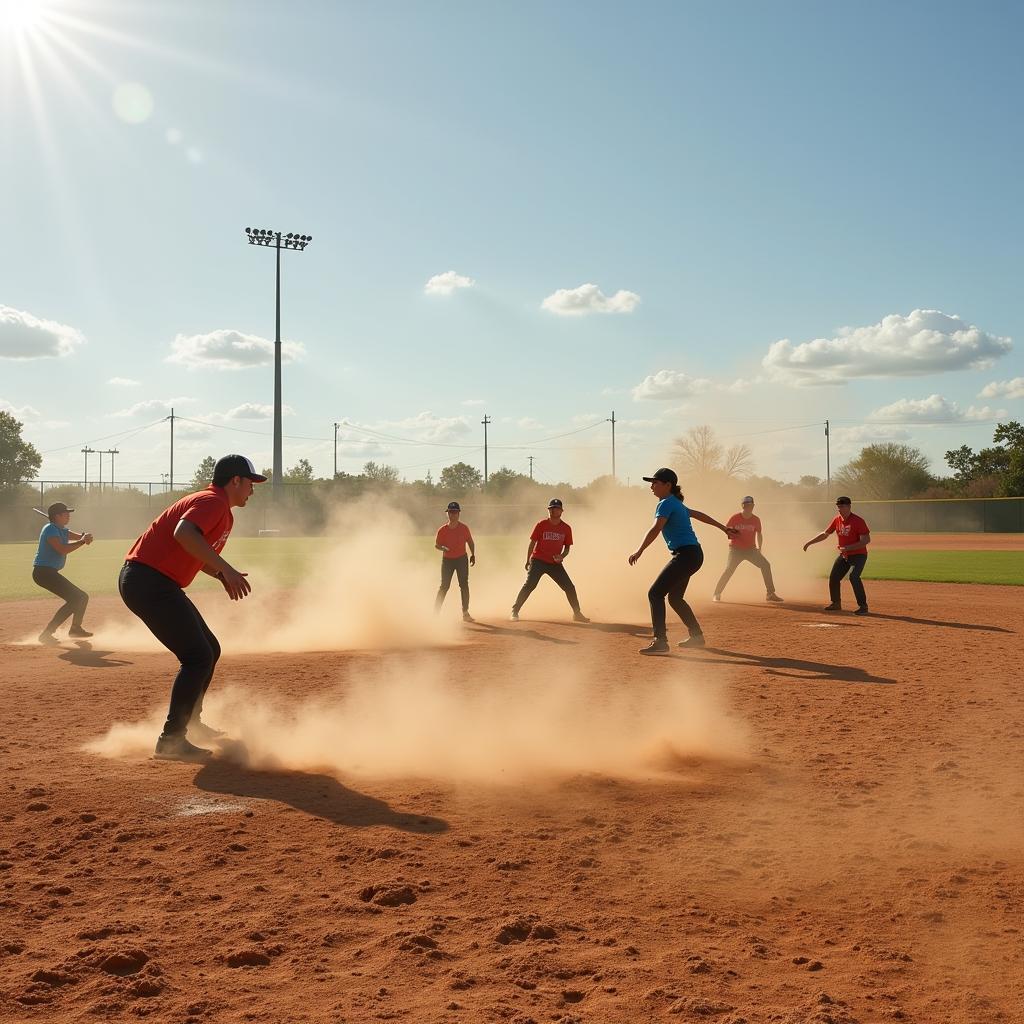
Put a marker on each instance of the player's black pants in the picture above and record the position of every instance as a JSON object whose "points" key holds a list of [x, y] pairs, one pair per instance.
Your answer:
{"points": [[854, 565], [75, 600], [175, 621], [671, 583], [737, 555], [557, 572], [460, 568]]}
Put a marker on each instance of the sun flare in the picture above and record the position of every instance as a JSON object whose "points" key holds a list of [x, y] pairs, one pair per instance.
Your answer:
{"points": [[20, 16]]}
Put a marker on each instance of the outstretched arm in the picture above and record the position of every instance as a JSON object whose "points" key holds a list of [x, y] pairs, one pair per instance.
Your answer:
{"points": [[703, 517], [816, 540], [652, 533], [65, 549]]}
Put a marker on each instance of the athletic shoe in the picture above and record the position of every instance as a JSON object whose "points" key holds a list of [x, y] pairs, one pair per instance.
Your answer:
{"points": [[177, 748], [695, 640], [48, 639], [78, 632], [862, 610], [717, 598], [579, 617], [204, 733], [657, 647], [774, 597], [832, 608], [514, 617], [466, 617]]}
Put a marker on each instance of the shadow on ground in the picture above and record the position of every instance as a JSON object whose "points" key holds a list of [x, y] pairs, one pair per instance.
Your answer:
{"points": [[321, 796], [793, 668], [819, 610]]}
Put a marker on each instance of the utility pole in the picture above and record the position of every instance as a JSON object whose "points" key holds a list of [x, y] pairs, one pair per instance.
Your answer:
{"points": [[112, 452], [100, 474], [85, 478], [828, 457], [530, 457], [485, 421], [612, 422], [271, 238], [171, 477], [335, 451]]}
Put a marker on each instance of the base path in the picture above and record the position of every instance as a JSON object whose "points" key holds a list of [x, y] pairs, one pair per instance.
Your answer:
{"points": [[859, 861]]}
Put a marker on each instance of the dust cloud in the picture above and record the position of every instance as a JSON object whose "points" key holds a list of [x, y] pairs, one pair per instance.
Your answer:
{"points": [[403, 716]]}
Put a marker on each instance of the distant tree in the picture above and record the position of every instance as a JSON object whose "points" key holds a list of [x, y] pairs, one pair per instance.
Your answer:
{"points": [[1012, 436], [700, 453], [19, 460], [300, 473], [204, 473], [460, 478], [886, 470], [378, 473], [504, 479], [996, 471]]}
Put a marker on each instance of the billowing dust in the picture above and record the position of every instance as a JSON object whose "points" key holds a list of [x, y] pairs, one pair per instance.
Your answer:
{"points": [[372, 581], [404, 717]]}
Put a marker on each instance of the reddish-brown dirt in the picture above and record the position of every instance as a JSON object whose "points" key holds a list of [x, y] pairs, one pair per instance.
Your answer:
{"points": [[863, 862]]}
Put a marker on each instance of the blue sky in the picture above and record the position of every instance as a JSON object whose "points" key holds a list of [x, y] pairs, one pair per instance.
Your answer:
{"points": [[747, 215]]}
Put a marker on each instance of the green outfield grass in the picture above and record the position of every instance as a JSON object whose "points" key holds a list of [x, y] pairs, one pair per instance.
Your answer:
{"points": [[286, 560]]}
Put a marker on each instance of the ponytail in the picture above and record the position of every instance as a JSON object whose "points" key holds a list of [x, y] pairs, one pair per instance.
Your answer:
{"points": [[677, 492]]}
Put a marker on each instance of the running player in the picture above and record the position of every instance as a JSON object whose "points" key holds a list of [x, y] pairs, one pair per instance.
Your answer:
{"points": [[854, 537], [181, 541], [672, 521], [745, 546], [56, 542], [548, 547], [452, 540]]}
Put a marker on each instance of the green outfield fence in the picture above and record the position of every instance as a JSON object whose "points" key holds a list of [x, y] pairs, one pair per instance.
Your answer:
{"points": [[125, 510]]}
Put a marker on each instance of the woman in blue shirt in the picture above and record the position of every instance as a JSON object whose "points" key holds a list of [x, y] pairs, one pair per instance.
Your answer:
{"points": [[672, 521], [56, 542]]}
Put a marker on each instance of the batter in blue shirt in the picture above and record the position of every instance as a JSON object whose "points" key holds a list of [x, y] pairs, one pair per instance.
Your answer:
{"points": [[56, 542], [672, 521]]}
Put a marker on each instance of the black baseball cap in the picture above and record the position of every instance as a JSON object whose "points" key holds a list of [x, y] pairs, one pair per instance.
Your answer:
{"points": [[230, 466], [57, 508], [664, 475], [454, 506], [555, 503], [843, 500]]}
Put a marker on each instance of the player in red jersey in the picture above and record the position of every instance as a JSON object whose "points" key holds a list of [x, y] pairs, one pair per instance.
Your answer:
{"points": [[745, 546], [182, 541], [452, 540], [853, 535]]}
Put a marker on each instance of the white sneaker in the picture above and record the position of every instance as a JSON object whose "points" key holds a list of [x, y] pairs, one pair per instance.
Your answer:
{"points": [[514, 617], [717, 599]]}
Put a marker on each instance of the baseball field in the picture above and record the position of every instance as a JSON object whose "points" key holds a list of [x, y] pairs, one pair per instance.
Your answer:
{"points": [[816, 819]]}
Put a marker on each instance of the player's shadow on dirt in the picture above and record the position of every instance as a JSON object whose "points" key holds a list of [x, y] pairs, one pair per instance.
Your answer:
{"points": [[981, 627], [629, 628], [529, 634], [797, 668], [86, 655], [318, 795]]}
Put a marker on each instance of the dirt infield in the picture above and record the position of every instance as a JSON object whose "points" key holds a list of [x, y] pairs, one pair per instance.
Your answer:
{"points": [[822, 823]]}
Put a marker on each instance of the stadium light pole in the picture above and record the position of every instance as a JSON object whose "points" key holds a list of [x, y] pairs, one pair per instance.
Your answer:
{"points": [[271, 239], [612, 422]]}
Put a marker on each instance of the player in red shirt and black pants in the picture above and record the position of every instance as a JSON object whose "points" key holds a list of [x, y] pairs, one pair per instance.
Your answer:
{"points": [[452, 540], [549, 544], [181, 541], [745, 546], [853, 535]]}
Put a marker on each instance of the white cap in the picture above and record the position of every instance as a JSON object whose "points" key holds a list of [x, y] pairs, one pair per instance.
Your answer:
{"points": [[746, 499]]}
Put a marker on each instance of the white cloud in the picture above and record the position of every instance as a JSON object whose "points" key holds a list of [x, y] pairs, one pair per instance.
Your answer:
{"points": [[427, 427], [666, 385], [254, 411], [229, 350], [925, 342], [474, 401], [150, 407], [24, 336], [1004, 389], [24, 413], [447, 283], [588, 298], [933, 409], [855, 437], [740, 386], [124, 382]]}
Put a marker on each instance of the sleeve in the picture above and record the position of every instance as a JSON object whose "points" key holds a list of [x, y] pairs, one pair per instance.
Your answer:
{"points": [[568, 536], [205, 512], [660, 510], [47, 533], [734, 519], [831, 528], [536, 532]]}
